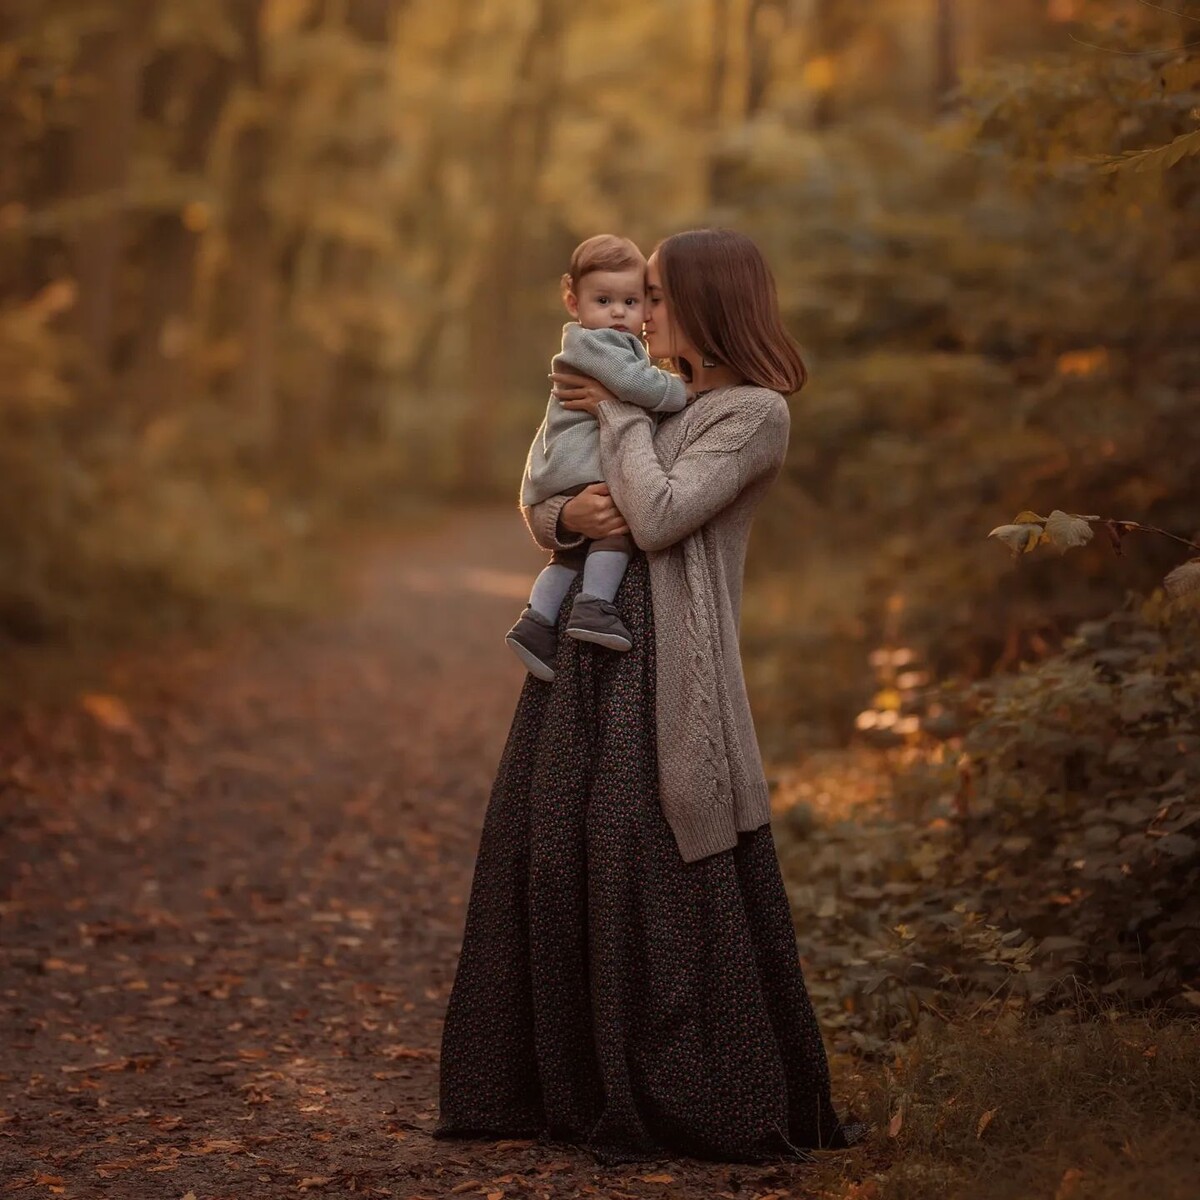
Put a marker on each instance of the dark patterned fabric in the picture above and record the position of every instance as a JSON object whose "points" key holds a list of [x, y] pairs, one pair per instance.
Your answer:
{"points": [[608, 994]]}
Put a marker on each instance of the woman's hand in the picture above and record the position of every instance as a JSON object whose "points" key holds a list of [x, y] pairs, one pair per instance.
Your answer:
{"points": [[593, 513], [580, 393]]}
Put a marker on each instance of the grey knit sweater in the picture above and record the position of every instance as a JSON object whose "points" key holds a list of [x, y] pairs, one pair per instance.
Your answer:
{"points": [[566, 448], [688, 490]]}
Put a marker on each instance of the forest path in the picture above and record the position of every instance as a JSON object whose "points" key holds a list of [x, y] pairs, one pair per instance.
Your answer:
{"points": [[234, 889]]}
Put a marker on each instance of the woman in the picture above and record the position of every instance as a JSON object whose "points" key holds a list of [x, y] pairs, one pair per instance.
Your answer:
{"points": [[629, 979]]}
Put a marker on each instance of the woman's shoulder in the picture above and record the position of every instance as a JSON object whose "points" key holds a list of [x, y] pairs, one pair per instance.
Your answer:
{"points": [[746, 405]]}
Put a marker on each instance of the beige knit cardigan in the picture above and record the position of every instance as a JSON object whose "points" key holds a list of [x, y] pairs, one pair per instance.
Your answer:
{"points": [[688, 489]]}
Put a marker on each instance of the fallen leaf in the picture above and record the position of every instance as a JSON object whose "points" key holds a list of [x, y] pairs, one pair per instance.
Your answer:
{"points": [[314, 1181], [658, 1178], [110, 712], [105, 1170], [407, 1052], [985, 1121], [895, 1123], [1070, 1181], [465, 1186], [867, 1190]]}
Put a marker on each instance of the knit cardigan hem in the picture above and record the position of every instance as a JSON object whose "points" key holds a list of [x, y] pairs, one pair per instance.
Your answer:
{"points": [[699, 836]]}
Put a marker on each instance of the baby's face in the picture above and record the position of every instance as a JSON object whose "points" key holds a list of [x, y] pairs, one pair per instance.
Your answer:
{"points": [[610, 300]]}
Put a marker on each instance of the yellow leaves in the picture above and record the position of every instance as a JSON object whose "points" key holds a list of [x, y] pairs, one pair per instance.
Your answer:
{"points": [[1069, 1184], [1019, 538], [53, 300], [1155, 159], [820, 73], [196, 216], [1082, 362], [109, 712], [1061, 530]]}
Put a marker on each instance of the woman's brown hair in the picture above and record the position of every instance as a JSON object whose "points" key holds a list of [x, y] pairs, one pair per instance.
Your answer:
{"points": [[723, 299]]}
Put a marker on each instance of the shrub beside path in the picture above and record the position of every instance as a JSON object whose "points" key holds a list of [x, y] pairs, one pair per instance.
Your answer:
{"points": [[232, 895]]}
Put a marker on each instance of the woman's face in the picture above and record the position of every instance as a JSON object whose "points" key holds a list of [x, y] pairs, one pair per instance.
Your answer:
{"points": [[662, 339]]}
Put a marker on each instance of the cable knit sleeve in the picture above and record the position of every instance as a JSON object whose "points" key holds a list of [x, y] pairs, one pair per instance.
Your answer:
{"points": [[542, 520], [741, 437]]}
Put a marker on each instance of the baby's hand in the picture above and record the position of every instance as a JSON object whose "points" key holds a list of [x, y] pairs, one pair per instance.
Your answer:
{"points": [[579, 393]]}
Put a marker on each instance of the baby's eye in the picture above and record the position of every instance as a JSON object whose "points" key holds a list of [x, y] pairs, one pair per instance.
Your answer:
{"points": [[601, 299], [632, 301]]}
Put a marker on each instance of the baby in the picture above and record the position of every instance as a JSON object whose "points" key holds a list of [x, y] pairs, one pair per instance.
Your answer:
{"points": [[605, 291]]}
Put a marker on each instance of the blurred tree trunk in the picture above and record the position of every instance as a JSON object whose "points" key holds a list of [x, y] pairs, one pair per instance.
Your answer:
{"points": [[195, 81], [745, 34], [720, 54], [251, 297], [830, 32], [109, 72], [945, 53], [515, 152]]}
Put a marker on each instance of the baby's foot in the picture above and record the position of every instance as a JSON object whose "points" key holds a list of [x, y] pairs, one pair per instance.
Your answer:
{"points": [[598, 621], [534, 640]]}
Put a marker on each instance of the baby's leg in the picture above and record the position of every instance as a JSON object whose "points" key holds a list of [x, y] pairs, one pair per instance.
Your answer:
{"points": [[550, 589], [604, 569]]}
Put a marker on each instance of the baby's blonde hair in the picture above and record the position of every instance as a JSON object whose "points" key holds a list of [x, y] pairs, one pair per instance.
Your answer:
{"points": [[604, 252]]}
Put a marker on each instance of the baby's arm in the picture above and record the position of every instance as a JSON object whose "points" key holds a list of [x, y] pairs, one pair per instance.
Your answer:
{"points": [[620, 362]]}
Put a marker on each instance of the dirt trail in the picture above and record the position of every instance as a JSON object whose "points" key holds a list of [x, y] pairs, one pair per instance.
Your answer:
{"points": [[231, 898]]}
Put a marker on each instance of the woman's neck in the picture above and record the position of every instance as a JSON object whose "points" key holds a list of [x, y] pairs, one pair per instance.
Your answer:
{"points": [[704, 379]]}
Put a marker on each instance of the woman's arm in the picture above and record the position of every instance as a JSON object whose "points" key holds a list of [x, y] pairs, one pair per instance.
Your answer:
{"points": [[745, 439], [590, 514]]}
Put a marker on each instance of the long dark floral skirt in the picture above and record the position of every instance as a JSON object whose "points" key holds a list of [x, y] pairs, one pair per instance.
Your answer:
{"points": [[608, 993]]}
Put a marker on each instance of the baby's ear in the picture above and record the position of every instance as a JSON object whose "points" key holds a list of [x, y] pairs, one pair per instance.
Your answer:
{"points": [[572, 302]]}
